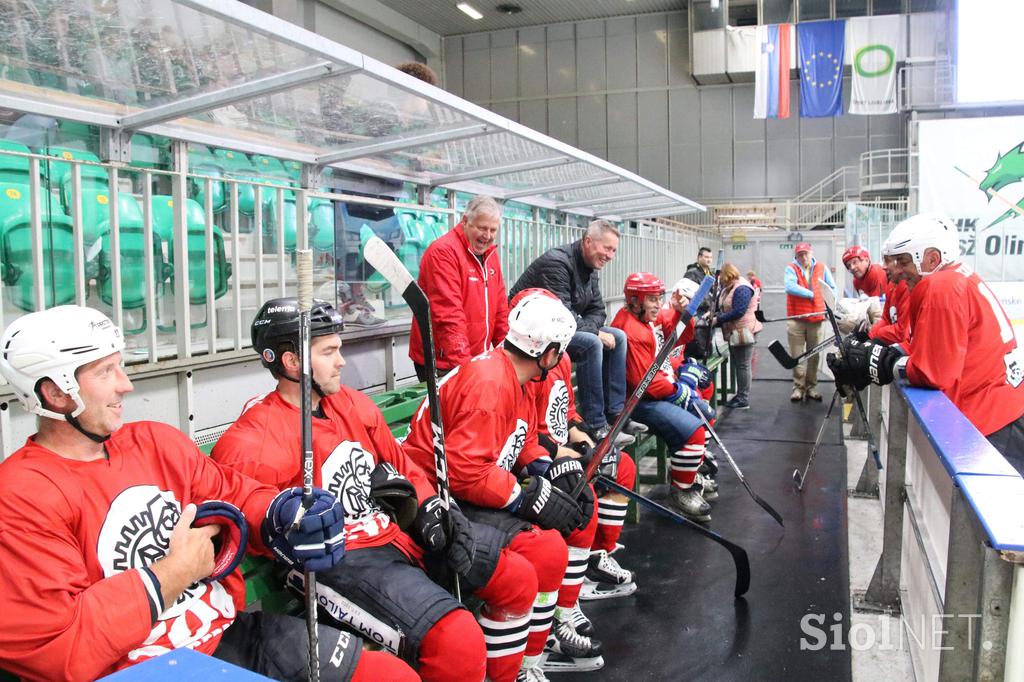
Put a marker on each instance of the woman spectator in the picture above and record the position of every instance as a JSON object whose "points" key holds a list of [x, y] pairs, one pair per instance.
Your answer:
{"points": [[737, 302]]}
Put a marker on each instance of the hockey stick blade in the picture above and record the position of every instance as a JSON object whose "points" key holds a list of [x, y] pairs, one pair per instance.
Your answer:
{"points": [[759, 315], [779, 352], [739, 474], [386, 262], [739, 555], [605, 446]]}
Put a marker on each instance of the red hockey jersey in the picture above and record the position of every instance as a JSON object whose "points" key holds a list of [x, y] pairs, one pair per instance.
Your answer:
{"points": [[894, 326], [962, 342], [874, 281], [73, 534], [489, 421], [555, 402], [642, 344], [265, 443]]}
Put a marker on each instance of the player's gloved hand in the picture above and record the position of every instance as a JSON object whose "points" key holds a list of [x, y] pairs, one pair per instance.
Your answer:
{"points": [[870, 359], [701, 406], [394, 493], [609, 466], [547, 506], [682, 396], [229, 544], [565, 473], [695, 369], [847, 381], [587, 504], [431, 531], [586, 452], [319, 540]]}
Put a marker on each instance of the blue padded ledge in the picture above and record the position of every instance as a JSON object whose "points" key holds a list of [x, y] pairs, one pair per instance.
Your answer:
{"points": [[184, 664], [997, 502], [960, 446]]}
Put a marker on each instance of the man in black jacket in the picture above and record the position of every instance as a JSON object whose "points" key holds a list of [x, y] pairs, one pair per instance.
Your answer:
{"points": [[570, 271]]}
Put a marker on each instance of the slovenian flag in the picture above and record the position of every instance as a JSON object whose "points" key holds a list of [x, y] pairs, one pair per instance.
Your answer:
{"points": [[771, 77]]}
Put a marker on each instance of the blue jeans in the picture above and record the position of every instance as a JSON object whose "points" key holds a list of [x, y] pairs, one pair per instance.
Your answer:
{"points": [[668, 421], [600, 375]]}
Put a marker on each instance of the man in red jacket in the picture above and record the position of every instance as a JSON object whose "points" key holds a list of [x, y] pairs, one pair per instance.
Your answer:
{"points": [[894, 325], [461, 275], [868, 277]]}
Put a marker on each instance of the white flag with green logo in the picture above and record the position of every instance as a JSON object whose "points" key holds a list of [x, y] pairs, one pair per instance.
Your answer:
{"points": [[874, 46]]}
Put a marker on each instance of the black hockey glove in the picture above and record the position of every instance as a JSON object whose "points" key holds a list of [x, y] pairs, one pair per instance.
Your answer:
{"points": [[565, 473], [863, 363], [586, 502], [547, 506], [428, 530], [586, 452], [394, 493]]}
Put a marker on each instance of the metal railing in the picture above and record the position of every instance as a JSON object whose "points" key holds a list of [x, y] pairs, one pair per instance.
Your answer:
{"points": [[926, 84], [884, 171], [782, 215], [952, 563]]}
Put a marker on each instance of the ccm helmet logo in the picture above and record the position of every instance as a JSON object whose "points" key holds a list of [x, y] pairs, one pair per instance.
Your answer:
{"points": [[268, 355]]}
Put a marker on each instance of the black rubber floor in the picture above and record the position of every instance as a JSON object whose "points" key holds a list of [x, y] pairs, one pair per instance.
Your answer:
{"points": [[683, 623]]}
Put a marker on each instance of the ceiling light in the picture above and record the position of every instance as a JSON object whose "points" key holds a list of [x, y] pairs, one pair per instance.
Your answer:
{"points": [[473, 12], [508, 8]]}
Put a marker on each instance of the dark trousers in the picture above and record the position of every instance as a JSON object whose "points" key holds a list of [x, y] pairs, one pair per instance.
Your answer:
{"points": [[1009, 441]]}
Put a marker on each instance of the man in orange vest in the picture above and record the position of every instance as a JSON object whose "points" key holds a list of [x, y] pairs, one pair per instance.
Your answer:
{"points": [[803, 279]]}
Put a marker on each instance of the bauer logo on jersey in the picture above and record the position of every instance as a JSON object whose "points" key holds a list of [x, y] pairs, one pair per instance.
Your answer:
{"points": [[346, 474], [513, 446], [137, 532], [556, 415]]}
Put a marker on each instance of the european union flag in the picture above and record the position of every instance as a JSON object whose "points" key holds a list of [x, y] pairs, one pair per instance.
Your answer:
{"points": [[820, 46]]}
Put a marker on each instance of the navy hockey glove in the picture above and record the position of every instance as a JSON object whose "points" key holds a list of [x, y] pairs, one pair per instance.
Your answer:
{"points": [[428, 529], [684, 393], [319, 541], [394, 493], [229, 544], [547, 506], [700, 373]]}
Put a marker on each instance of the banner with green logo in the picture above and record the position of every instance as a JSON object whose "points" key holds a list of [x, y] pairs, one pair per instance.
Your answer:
{"points": [[873, 45]]}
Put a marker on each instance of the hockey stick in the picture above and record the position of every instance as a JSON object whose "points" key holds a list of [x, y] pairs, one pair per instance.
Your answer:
{"points": [[830, 303], [605, 446], [304, 272], [739, 555], [759, 316], [779, 352], [739, 474], [384, 260], [799, 477]]}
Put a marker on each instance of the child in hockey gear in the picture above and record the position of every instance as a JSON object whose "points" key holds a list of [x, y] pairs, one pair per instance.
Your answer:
{"points": [[666, 405], [395, 530], [961, 340], [491, 425], [121, 570]]}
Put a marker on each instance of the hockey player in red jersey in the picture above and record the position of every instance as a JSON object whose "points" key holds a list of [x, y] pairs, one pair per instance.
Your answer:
{"points": [[591, 568], [394, 526], [490, 426], [961, 340], [106, 529], [868, 278], [893, 326], [666, 406]]}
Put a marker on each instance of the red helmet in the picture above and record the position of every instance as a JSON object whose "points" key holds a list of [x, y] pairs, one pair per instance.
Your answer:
{"points": [[530, 292], [642, 284], [855, 252]]}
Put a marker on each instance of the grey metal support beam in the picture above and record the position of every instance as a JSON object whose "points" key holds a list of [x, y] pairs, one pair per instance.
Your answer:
{"points": [[649, 212], [883, 593], [234, 93], [563, 187], [610, 201], [867, 483], [641, 210], [504, 169], [394, 143]]}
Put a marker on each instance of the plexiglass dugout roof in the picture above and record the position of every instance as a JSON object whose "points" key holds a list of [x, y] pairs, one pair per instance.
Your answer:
{"points": [[221, 73]]}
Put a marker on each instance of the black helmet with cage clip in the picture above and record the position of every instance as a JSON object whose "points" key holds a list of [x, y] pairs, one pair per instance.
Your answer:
{"points": [[275, 330]]}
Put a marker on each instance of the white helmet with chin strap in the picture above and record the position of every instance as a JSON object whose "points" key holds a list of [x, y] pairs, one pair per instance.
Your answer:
{"points": [[921, 232], [52, 344], [539, 321]]}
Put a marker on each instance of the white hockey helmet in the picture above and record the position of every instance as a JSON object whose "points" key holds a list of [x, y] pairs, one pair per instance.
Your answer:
{"points": [[52, 344], [924, 231], [537, 322], [686, 287]]}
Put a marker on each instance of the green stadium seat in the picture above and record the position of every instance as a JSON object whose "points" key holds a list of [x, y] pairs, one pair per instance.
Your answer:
{"points": [[94, 178], [16, 250], [14, 169], [202, 162], [237, 165], [163, 225]]}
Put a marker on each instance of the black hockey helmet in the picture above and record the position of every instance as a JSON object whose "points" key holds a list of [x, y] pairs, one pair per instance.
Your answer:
{"points": [[276, 327]]}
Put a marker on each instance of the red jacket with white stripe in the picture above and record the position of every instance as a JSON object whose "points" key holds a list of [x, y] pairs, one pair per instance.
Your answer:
{"points": [[468, 303]]}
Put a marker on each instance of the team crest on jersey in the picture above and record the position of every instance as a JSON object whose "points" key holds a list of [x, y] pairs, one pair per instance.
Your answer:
{"points": [[137, 532], [556, 415], [513, 446], [1014, 367], [346, 473]]}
